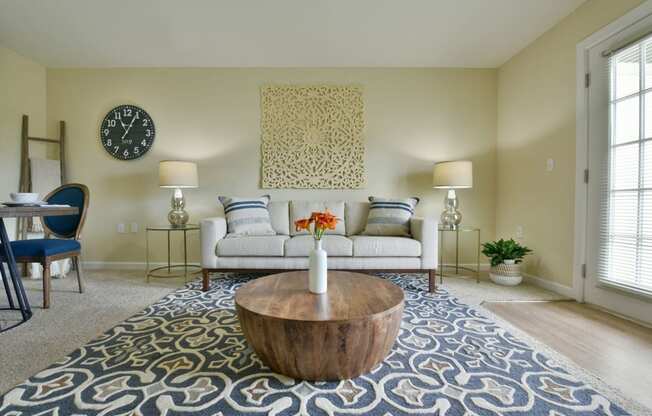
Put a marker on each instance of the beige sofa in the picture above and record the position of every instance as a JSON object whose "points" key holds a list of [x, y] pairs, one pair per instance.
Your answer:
{"points": [[349, 250]]}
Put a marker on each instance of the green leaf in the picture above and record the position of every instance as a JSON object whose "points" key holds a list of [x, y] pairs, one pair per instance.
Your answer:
{"points": [[501, 250]]}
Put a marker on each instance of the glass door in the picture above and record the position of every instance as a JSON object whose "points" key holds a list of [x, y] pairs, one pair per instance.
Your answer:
{"points": [[619, 215]]}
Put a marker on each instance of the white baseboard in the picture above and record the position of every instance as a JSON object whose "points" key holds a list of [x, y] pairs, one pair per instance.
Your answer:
{"points": [[123, 265], [484, 267], [529, 278], [139, 265], [550, 285]]}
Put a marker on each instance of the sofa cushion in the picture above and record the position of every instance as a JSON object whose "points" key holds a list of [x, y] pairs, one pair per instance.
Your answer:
{"points": [[247, 216], [267, 245], [279, 214], [390, 216], [334, 245], [355, 217], [377, 246], [303, 209]]}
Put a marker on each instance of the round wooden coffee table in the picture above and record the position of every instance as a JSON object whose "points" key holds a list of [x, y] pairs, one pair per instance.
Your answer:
{"points": [[340, 334]]}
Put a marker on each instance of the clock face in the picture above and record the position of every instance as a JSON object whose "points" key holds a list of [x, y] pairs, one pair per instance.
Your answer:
{"points": [[127, 132]]}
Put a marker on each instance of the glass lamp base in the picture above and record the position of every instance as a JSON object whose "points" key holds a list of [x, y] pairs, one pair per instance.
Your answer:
{"points": [[451, 217], [178, 216]]}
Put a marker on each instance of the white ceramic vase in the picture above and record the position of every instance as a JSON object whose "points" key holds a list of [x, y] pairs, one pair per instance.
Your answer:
{"points": [[318, 273]]}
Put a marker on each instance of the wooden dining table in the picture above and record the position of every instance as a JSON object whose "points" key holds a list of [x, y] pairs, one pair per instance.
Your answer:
{"points": [[7, 255]]}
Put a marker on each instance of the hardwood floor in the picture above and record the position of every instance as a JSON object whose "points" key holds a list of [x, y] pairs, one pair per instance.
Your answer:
{"points": [[617, 350]]}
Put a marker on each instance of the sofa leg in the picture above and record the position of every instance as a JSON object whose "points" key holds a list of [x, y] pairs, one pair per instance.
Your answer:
{"points": [[432, 280], [205, 280]]}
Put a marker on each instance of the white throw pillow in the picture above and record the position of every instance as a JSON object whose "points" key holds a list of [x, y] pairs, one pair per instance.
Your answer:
{"points": [[247, 216], [390, 217], [303, 209]]}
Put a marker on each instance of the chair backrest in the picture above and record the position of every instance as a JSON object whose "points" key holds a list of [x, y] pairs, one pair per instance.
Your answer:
{"points": [[67, 226]]}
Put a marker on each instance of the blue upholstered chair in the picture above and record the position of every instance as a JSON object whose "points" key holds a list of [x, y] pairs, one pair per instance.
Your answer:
{"points": [[66, 231]]}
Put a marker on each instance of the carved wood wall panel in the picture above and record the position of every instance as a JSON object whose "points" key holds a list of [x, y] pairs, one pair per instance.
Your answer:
{"points": [[312, 137]]}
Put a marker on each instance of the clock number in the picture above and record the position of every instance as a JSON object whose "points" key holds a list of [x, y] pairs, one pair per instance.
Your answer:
{"points": [[125, 153], [116, 115], [110, 123], [126, 112], [109, 143], [115, 149], [145, 122], [144, 143], [148, 132], [136, 150], [106, 132], [137, 116]]}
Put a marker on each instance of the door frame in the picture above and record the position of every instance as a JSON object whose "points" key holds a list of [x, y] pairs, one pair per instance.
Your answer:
{"points": [[581, 143]]}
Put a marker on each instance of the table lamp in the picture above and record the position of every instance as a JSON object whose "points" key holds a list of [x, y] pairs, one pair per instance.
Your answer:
{"points": [[177, 174], [452, 175]]}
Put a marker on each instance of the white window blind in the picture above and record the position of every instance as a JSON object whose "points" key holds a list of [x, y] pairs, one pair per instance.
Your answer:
{"points": [[625, 257]]}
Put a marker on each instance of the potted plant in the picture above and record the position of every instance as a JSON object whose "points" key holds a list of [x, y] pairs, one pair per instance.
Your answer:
{"points": [[505, 256]]}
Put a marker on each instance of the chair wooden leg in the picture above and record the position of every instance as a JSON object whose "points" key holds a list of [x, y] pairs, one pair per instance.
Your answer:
{"points": [[77, 262], [205, 280], [432, 280], [46, 284]]}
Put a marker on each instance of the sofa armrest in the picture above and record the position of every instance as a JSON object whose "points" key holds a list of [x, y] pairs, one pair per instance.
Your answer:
{"points": [[425, 230], [212, 230]]}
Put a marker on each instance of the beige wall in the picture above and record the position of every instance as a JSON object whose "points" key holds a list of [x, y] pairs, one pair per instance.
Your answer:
{"points": [[508, 121], [413, 118], [536, 121], [22, 91]]}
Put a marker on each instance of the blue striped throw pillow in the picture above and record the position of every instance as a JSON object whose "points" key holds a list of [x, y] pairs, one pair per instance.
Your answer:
{"points": [[390, 216], [247, 216]]}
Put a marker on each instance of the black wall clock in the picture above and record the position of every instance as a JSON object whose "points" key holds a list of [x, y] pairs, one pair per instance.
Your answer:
{"points": [[127, 132]]}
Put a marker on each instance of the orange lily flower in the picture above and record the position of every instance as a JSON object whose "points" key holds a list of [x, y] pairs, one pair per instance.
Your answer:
{"points": [[323, 221], [302, 224]]}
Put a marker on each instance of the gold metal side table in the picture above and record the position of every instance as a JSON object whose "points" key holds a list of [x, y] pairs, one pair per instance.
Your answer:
{"points": [[457, 266], [187, 268]]}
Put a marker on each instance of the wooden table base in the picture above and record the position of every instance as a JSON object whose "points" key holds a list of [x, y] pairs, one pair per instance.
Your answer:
{"points": [[338, 335]]}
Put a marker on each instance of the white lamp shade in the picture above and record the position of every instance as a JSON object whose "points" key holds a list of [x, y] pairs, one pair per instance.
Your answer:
{"points": [[177, 174], [456, 174]]}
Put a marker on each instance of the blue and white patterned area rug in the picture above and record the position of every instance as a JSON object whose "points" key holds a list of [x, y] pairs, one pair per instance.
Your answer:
{"points": [[186, 355]]}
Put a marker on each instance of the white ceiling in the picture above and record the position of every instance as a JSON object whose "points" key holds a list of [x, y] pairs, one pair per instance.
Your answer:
{"points": [[303, 33]]}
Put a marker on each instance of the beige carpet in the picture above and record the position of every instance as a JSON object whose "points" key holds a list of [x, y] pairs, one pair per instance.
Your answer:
{"points": [[73, 319], [112, 296]]}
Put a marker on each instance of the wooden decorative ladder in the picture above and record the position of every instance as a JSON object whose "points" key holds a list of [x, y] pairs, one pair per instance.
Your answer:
{"points": [[25, 184]]}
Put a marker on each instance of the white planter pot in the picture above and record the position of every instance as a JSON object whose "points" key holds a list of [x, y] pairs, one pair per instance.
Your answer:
{"points": [[506, 274], [318, 272]]}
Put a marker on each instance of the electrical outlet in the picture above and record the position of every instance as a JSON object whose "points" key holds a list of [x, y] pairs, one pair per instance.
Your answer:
{"points": [[133, 227], [550, 165], [519, 231], [121, 228]]}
